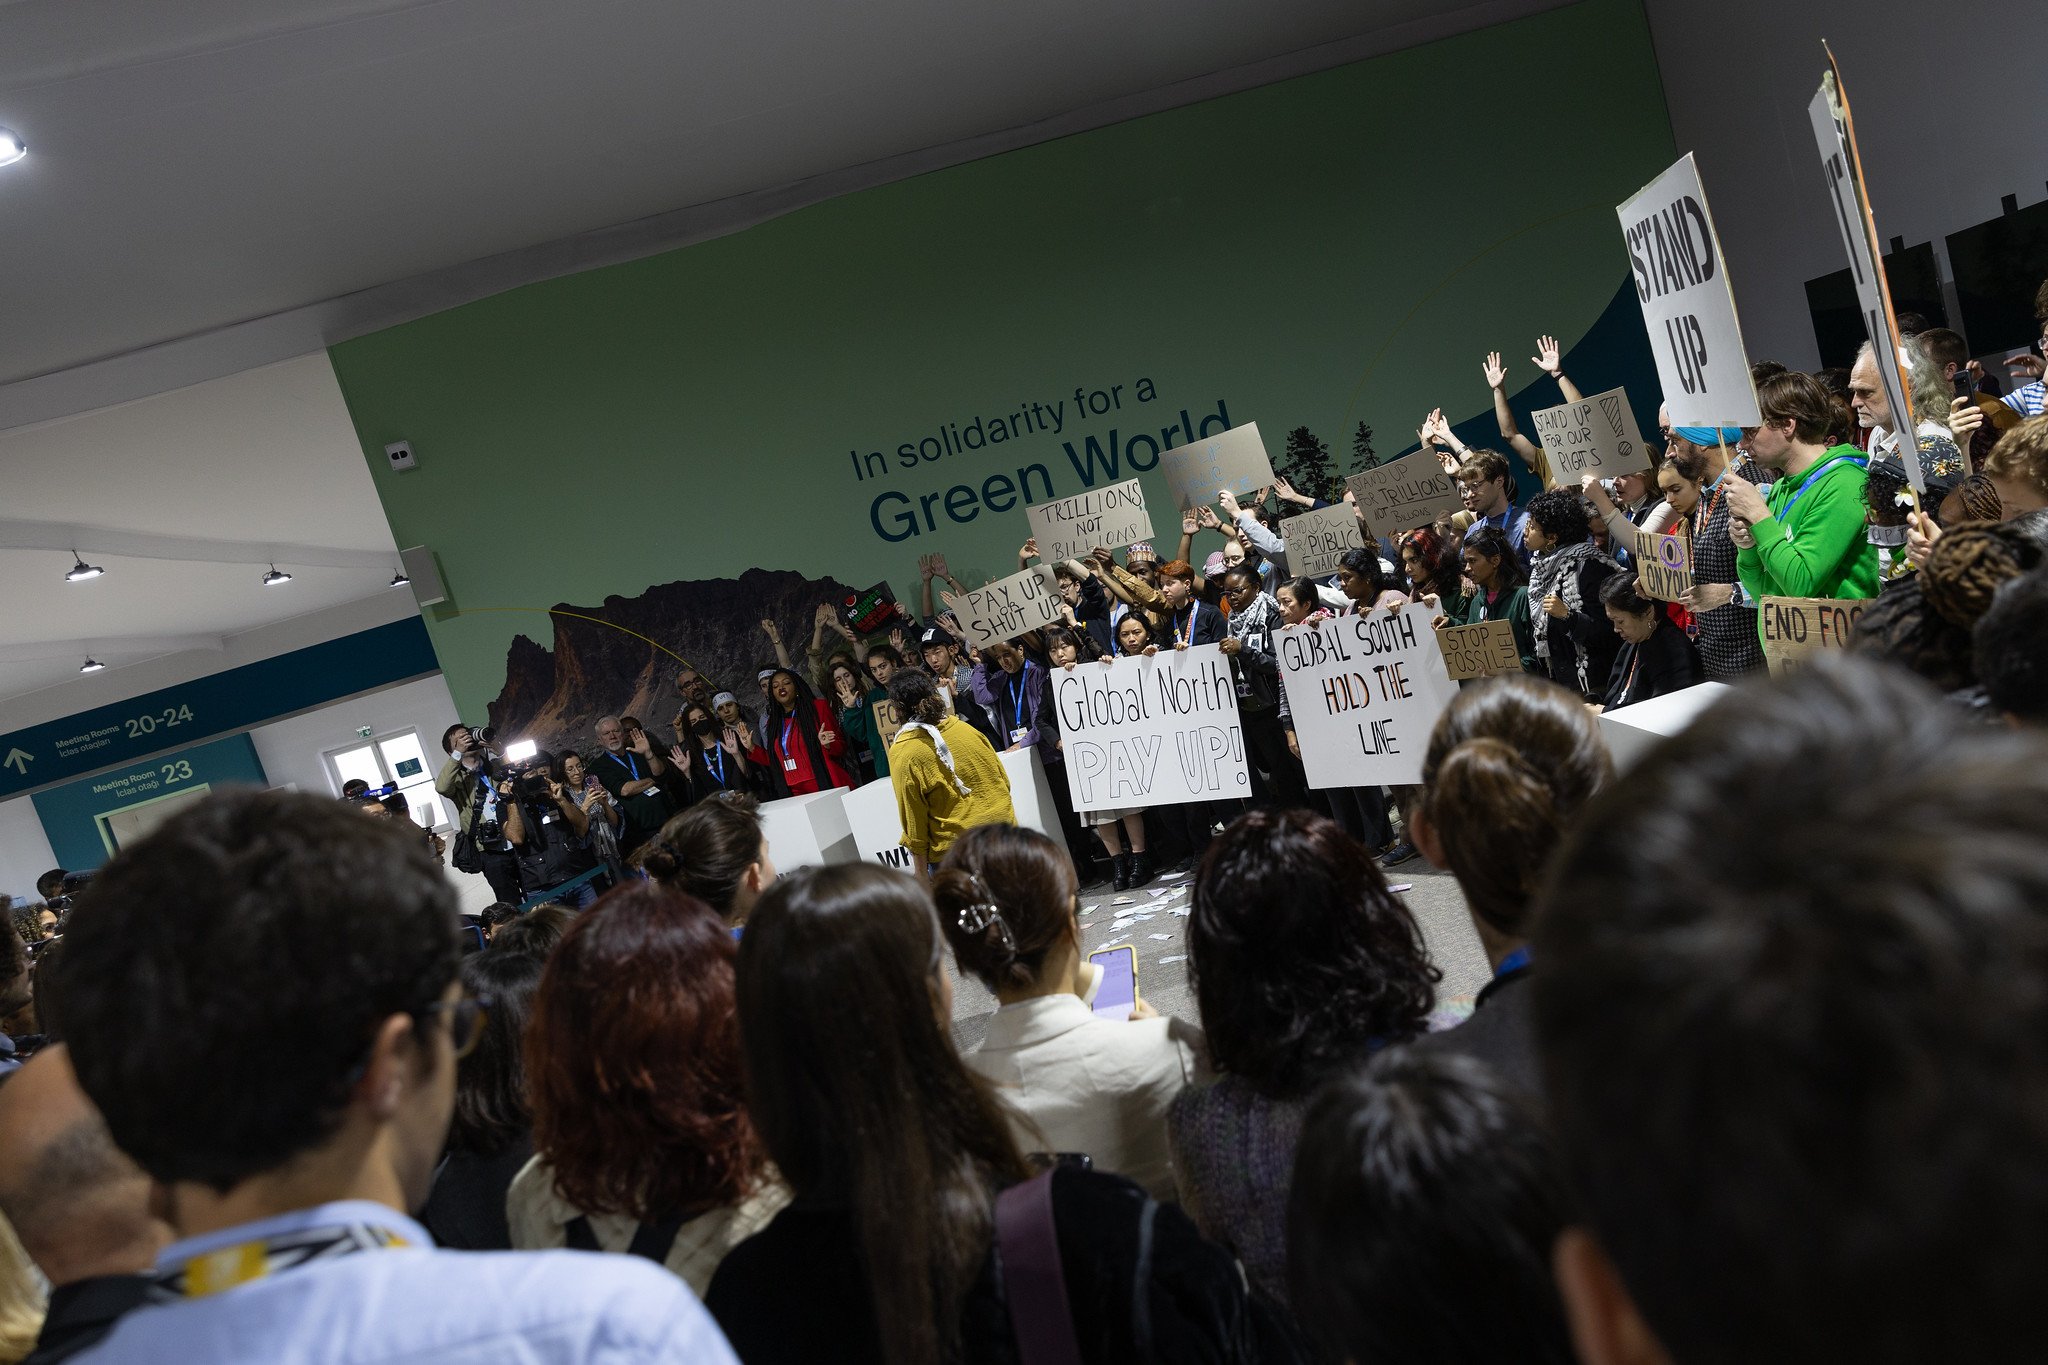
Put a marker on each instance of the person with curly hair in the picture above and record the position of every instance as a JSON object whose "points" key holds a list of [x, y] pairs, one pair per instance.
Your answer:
{"points": [[642, 1143], [1303, 964], [1924, 623], [2009, 649], [1575, 642]]}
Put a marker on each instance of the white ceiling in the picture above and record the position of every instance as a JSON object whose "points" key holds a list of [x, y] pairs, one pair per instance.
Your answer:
{"points": [[217, 188]]}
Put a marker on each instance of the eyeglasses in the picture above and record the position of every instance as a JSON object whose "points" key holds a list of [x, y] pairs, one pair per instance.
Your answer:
{"points": [[466, 1018]]}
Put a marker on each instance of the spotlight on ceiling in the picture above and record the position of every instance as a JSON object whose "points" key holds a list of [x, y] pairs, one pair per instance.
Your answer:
{"points": [[12, 148], [276, 577], [91, 665], [399, 580], [82, 570]]}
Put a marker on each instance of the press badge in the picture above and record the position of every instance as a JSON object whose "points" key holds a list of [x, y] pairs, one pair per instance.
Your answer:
{"points": [[789, 765], [1019, 736]]}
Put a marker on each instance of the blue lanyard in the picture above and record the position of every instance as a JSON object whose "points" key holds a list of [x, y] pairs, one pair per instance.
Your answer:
{"points": [[716, 754], [786, 726], [1187, 636], [1017, 696], [1514, 961], [629, 763], [1785, 513]]}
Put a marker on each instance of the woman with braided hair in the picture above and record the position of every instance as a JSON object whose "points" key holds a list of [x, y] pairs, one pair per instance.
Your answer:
{"points": [[1924, 623], [1075, 1081]]}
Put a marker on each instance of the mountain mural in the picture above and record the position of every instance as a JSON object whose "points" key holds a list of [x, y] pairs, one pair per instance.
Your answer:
{"points": [[554, 695]]}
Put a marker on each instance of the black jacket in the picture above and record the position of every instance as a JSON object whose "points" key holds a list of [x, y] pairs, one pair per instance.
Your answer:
{"points": [[1142, 1284], [1501, 1033], [1666, 662]]}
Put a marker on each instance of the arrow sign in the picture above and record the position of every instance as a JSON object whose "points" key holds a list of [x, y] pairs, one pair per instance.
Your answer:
{"points": [[18, 760]]}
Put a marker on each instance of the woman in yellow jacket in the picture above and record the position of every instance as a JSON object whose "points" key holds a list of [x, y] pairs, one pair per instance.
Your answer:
{"points": [[947, 777]]}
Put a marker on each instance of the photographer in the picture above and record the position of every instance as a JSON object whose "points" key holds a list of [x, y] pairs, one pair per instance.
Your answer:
{"points": [[466, 781], [541, 819]]}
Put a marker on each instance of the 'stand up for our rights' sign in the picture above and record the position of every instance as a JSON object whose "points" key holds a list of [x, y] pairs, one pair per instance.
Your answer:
{"points": [[1008, 607], [1681, 280], [1151, 730], [1404, 494], [1364, 691], [1597, 435], [1317, 540], [1111, 516]]}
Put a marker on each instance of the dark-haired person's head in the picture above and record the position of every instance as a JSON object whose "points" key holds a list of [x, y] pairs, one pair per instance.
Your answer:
{"points": [[1028, 882], [1360, 577], [51, 883], [1806, 1078], [2010, 649], [1241, 586], [1945, 348], [1797, 410], [1633, 616], [491, 1110], [845, 1010], [268, 982], [633, 1061], [534, 931], [1490, 560], [449, 735], [1298, 600], [1133, 636], [1924, 624], [353, 788], [883, 661], [1557, 517], [1302, 960], [1486, 482], [917, 696], [716, 852], [1425, 1202], [1509, 765]]}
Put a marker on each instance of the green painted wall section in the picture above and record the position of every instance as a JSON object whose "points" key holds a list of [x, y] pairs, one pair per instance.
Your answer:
{"points": [[1334, 248]]}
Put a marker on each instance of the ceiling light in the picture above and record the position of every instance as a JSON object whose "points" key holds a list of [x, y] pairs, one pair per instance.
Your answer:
{"points": [[399, 580], [12, 148], [91, 665], [82, 570], [276, 577]]}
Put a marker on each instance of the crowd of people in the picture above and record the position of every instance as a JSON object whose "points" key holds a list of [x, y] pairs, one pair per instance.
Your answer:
{"points": [[1760, 1029]]}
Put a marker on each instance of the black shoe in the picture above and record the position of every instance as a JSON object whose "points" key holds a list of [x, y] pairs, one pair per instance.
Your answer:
{"points": [[1123, 872], [1184, 865], [1143, 870], [1400, 852]]}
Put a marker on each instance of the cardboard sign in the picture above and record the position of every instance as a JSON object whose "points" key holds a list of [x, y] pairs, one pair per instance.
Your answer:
{"points": [[1006, 608], [1843, 170], [1111, 516], [1233, 459], [1316, 540], [1151, 730], [1480, 650], [1404, 494], [1681, 280], [1364, 693], [1597, 435], [888, 719], [1663, 565], [1795, 629]]}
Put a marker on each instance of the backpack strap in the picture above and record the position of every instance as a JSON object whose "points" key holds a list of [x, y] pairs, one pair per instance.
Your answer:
{"points": [[1035, 1282]]}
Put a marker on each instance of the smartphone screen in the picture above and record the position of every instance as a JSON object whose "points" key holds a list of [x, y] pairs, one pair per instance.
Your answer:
{"points": [[1117, 996]]}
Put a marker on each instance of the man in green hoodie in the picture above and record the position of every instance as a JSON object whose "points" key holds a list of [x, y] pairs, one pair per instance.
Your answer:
{"points": [[1808, 538]]}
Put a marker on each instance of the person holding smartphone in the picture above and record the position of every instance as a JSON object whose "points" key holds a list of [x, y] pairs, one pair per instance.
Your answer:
{"points": [[1075, 1081]]}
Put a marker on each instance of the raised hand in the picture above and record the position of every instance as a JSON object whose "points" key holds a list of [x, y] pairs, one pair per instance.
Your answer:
{"points": [[939, 569], [1496, 373], [1206, 517], [1227, 500], [1029, 550], [770, 629], [1546, 358], [679, 756], [1285, 490], [924, 566], [1964, 417], [1189, 522]]}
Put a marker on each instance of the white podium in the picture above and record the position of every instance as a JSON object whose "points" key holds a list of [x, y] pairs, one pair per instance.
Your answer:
{"points": [[878, 831], [809, 831], [1633, 731]]}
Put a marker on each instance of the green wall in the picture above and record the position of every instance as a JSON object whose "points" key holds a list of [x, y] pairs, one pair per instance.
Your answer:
{"points": [[1334, 248]]}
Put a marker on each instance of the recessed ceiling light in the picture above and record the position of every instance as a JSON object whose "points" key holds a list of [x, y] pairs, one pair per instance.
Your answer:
{"points": [[82, 570], [399, 580], [276, 577], [12, 148], [91, 665]]}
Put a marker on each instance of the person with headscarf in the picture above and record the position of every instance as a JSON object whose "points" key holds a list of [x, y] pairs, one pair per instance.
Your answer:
{"points": [[948, 777], [1575, 642]]}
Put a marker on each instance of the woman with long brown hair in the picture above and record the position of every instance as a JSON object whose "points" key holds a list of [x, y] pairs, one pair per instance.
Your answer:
{"points": [[640, 1130], [898, 1155]]}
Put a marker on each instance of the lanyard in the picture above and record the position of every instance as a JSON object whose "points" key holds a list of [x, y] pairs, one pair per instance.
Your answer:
{"points": [[1017, 696], [1514, 961], [629, 763], [216, 1271], [787, 725], [716, 754], [1187, 636], [1785, 514]]}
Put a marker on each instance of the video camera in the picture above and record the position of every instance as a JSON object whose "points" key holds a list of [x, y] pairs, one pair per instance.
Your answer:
{"points": [[66, 897], [525, 773]]}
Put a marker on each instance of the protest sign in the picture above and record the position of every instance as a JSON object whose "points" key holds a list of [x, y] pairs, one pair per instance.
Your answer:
{"points": [[1111, 516], [887, 718], [1479, 650], [1317, 540], [1681, 280], [1597, 435], [1233, 459], [1364, 693], [1404, 494], [1663, 565], [1795, 629], [877, 821], [1842, 169], [1006, 608], [1151, 730], [870, 612]]}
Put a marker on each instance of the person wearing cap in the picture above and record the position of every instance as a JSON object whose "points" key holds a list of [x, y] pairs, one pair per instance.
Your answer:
{"points": [[1806, 538], [941, 651]]}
